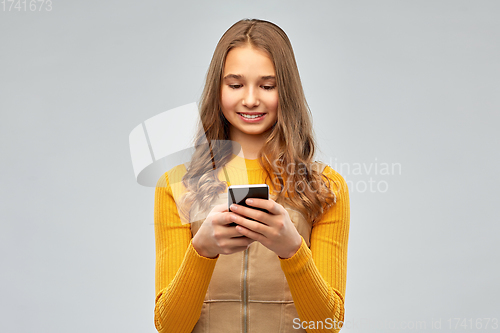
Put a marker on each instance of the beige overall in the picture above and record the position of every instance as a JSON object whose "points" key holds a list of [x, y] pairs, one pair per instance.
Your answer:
{"points": [[248, 292]]}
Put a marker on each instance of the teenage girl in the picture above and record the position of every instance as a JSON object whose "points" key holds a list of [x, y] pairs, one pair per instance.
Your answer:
{"points": [[285, 270]]}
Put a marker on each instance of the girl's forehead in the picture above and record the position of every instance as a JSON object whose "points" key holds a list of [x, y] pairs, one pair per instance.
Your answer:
{"points": [[247, 62]]}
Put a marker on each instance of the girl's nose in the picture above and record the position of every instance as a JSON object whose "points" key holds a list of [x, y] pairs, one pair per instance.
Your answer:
{"points": [[250, 99]]}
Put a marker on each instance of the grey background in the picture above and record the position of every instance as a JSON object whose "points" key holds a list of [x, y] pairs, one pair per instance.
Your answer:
{"points": [[408, 82]]}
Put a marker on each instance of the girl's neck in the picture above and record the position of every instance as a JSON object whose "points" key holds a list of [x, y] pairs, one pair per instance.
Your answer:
{"points": [[250, 144]]}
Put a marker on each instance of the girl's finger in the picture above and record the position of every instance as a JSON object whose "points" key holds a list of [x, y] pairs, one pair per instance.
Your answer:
{"points": [[250, 234], [251, 225], [248, 212], [270, 205]]}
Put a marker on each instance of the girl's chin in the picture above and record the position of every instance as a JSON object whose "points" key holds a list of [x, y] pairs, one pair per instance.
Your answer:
{"points": [[255, 130]]}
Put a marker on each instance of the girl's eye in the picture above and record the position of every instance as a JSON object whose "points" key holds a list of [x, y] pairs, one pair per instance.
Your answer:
{"points": [[236, 86]]}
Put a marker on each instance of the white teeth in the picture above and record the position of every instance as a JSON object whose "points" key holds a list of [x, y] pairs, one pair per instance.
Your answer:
{"points": [[251, 117]]}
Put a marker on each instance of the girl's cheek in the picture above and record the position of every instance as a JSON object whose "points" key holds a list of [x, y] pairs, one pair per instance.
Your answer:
{"points": [[273, 103], [229, 100], [225, 99]]}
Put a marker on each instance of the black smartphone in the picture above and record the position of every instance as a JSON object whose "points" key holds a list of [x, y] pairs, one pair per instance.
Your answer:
{"points": [[237, 194]]}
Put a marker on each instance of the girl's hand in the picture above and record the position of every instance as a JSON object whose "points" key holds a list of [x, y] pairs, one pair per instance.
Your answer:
{"points": [[276, 232], [215, 236]]}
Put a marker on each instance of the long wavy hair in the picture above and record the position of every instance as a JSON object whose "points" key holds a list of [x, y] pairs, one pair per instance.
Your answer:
{"points": [[290, 144]]}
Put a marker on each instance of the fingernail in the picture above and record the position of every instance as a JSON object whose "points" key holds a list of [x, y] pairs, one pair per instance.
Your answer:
{"points": [[249, 201], [233, 207]]}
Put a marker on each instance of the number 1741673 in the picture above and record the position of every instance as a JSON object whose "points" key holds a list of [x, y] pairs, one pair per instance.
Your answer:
{"points": [[473, 323]]}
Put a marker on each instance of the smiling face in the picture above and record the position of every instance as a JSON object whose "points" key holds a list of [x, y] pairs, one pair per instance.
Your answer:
{"points": [[249, 90]]}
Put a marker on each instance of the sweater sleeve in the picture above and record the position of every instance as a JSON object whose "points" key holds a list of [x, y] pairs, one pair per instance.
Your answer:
{"points": [[317, 276], [182, 276]]}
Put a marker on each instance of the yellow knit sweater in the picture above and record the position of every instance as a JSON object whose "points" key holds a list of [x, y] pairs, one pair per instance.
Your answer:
{"points": [[316, 275]]}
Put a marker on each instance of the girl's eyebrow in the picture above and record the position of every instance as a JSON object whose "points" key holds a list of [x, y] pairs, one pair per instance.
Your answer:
{"points": [[238, 77]]}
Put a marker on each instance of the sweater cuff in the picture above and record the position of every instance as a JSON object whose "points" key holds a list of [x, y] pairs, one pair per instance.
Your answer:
{"points": [[298, 261]]}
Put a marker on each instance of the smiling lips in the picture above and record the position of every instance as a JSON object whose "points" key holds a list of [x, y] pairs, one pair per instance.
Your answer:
{"points": [[251, 115]]}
